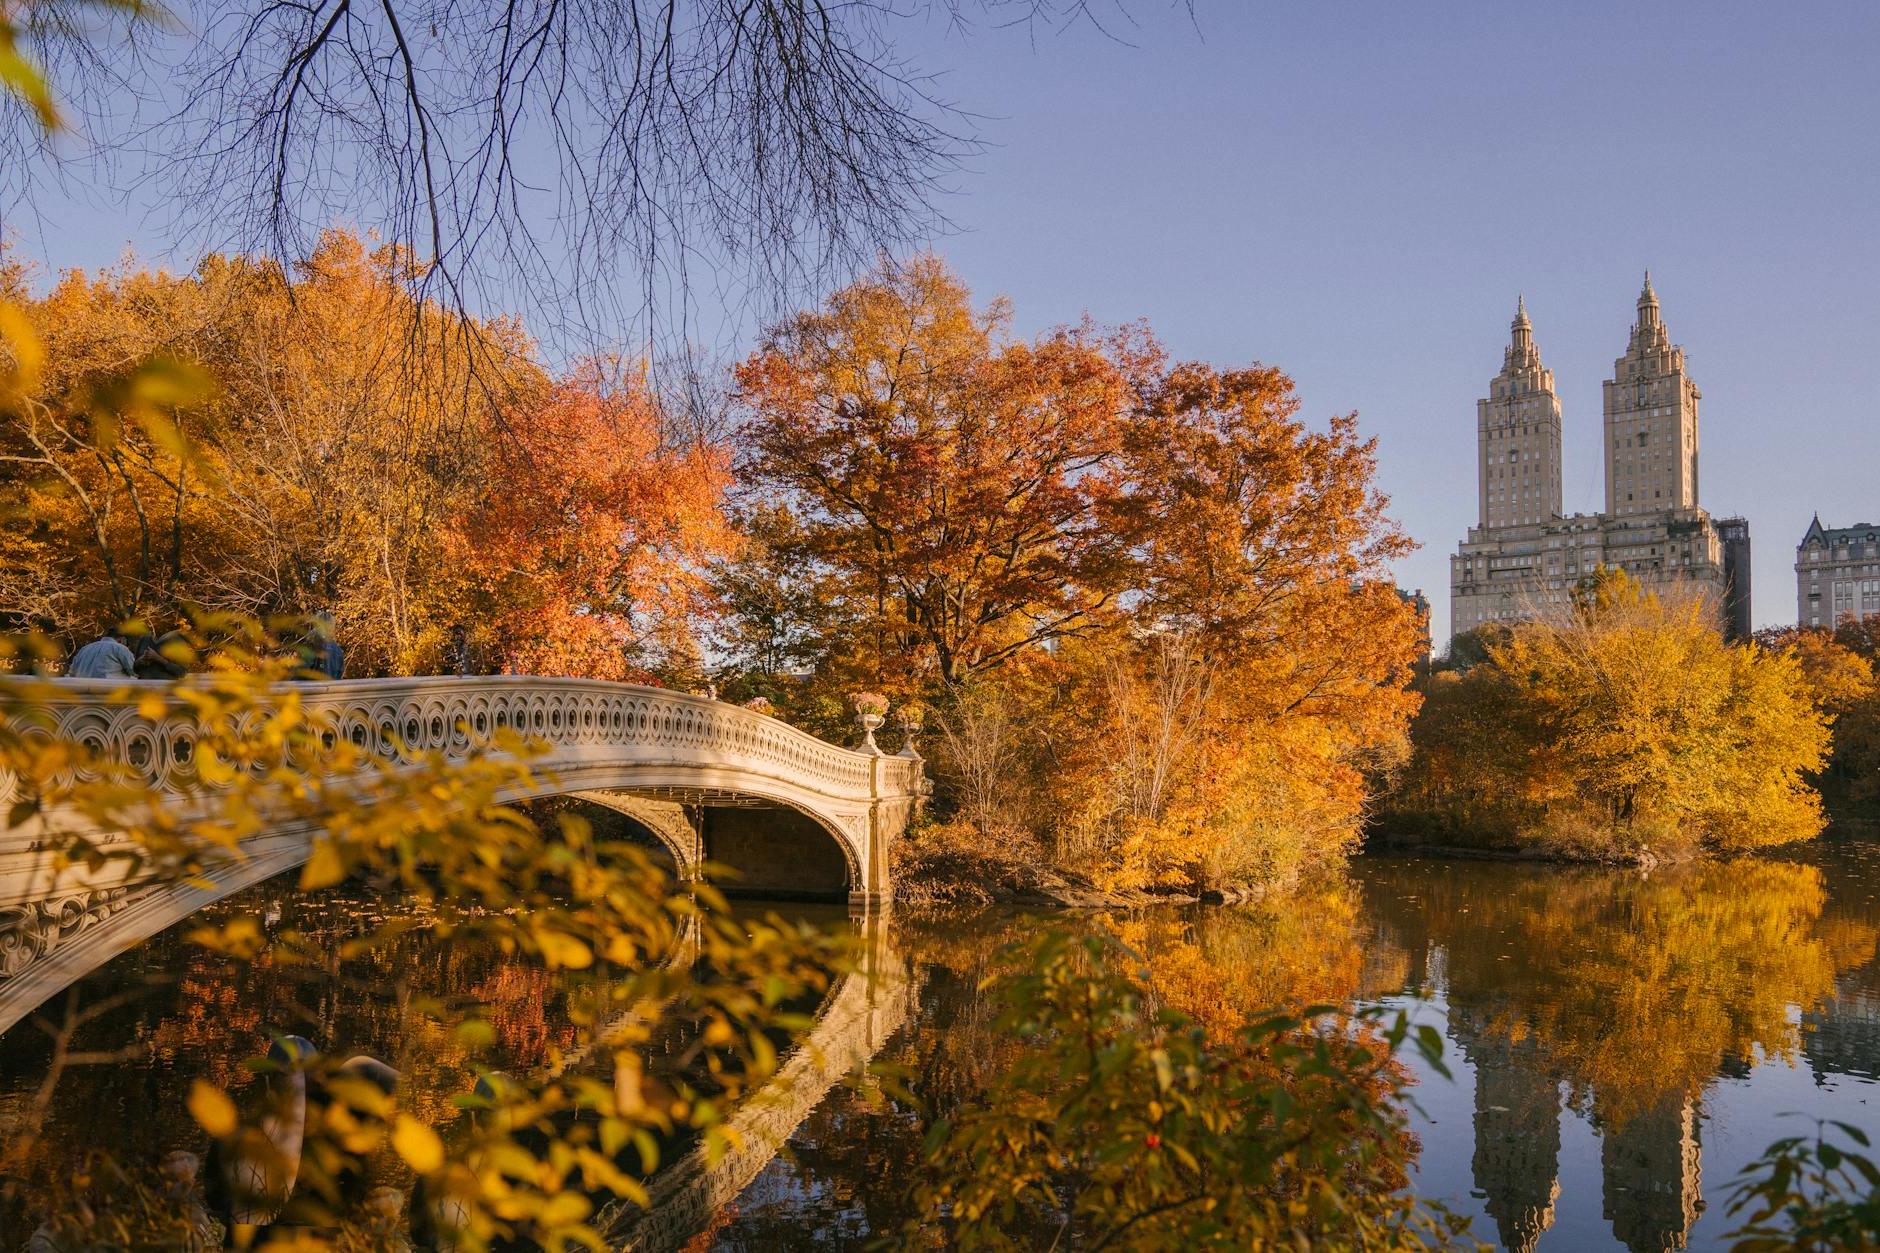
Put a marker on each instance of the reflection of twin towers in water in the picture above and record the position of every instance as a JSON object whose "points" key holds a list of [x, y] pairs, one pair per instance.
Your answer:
{"points": [[1649, 1164]]}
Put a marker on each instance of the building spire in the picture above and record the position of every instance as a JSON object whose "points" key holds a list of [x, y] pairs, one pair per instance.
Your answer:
{"points": [[1648, 306], [1521, 342]]}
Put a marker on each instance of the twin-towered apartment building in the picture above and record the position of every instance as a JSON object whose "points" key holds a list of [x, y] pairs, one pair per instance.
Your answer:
{"points": [[1526, 553]]}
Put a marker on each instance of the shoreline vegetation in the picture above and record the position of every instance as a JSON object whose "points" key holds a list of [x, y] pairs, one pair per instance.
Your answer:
{"points": [[1625, 729]]}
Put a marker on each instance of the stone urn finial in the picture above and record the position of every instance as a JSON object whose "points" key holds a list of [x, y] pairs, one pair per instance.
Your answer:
{"points": [[871, 710], [910, 717]]}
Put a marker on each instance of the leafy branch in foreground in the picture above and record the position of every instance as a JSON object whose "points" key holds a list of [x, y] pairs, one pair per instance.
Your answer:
{"points": [[1808, 1194], [1124, 1127]]}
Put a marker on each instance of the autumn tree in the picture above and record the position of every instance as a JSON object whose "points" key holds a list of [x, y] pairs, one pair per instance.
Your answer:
{"points": [[1171, 582], [336, 466], [1246, 521], [1269, 658], [593, 531], [1839, 666], [1623, 726], [954, 476]]}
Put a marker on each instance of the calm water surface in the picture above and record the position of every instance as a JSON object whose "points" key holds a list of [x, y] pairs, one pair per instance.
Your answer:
{"points": [[1622, 1044]]}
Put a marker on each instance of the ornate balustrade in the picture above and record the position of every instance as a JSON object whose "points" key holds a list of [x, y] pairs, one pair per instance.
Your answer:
{"points": [[417, 715]]}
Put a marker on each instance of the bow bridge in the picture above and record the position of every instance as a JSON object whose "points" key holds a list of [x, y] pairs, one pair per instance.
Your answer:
{"points": [[789, 814]]}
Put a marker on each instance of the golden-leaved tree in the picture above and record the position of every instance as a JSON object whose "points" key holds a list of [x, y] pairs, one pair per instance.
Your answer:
{"points": [[1147, 602], [1839, 666], [345, 463], [955, 477], [1623, 726], [1269, 656]]}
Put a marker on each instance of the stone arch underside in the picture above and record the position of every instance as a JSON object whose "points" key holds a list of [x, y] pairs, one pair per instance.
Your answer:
{"points": [[766, 847], [665, 823], [758, 845]]}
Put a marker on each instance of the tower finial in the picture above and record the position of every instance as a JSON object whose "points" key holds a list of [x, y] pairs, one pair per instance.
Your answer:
{"points": [[1520, 310], [1648, 296]]}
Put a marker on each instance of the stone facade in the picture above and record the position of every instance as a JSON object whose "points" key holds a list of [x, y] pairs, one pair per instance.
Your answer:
{"points": [[1651, 421], [1517, 436], [1837, 573], [1525, 554]]}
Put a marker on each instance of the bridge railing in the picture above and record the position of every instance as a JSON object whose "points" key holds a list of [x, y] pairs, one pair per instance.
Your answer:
{"points": [[390, 717]]}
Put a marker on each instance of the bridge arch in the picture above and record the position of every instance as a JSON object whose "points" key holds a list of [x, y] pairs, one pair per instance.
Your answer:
{"points": [[656, 751]]}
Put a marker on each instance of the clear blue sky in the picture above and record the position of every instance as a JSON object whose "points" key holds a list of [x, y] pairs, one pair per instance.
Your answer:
{"points": [[1356, 193]]}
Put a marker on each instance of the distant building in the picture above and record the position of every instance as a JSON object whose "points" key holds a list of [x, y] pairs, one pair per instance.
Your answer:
{"points": [[1525, 554], [1419, 603], [1737, 624], [1837, 573]]}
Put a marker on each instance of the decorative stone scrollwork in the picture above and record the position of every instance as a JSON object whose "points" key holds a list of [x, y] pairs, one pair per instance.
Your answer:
{"points": [[402, 717], [30, 933]]}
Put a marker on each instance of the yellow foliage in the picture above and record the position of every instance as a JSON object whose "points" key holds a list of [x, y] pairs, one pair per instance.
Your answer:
{"points": [[1625, 726], [1191, 768]]}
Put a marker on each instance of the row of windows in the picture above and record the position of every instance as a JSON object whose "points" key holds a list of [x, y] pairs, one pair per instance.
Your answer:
{"points": [[1844, 552]]}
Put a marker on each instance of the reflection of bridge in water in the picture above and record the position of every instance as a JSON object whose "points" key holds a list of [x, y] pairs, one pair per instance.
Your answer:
{"points": [[863, 1009], [790, 814], [865, 1004]]}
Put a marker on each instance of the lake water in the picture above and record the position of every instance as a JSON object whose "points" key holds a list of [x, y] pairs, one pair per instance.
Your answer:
{"points": [[1621, 1043]]}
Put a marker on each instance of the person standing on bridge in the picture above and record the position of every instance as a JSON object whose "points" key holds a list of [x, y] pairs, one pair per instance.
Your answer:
{"points": [[329, 656], [318, 651], [106, 657]]}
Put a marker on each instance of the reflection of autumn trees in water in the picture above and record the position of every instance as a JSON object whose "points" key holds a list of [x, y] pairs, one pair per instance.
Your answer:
{"points": [[1218, 966], [187, 1013], [851, 1157], [1635, 991], [1631, 987], [1224, 967], [1620, 994]]}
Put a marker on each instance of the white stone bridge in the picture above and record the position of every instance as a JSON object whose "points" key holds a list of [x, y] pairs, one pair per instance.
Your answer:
{"points": [[789, 814]]}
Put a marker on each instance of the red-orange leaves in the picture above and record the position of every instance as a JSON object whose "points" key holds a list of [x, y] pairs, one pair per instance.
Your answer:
{"points": [[953, 475], [1247, 519], [594, 530]]}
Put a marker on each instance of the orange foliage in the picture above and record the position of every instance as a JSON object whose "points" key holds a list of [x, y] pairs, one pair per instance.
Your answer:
{"points": [[1228, 656], [593, 531], [347, 462], [953, 475]]}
